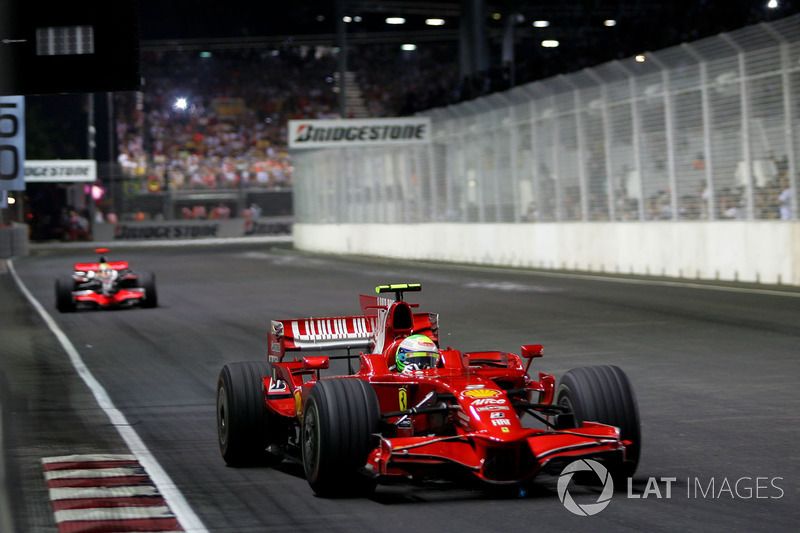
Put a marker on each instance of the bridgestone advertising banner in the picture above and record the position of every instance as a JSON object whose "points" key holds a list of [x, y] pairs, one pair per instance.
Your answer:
{"points": [[358, 132], [61, 171], [192, 229]]}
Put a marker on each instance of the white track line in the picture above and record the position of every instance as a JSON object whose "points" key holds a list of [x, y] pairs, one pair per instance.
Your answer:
{"points": [[113, 513], [97, 457], [93, 473], [173, 496], [85, 493]]}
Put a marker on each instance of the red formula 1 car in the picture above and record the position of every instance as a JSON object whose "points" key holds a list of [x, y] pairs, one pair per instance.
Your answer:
{"points": [[105, 284], [459, 418]]}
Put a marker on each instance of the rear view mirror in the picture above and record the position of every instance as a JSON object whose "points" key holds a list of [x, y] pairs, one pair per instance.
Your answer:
{"points": [[316, 362], [530, 351]]}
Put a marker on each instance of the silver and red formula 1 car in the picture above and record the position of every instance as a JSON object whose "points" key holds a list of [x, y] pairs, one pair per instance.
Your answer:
{"points": [[461, 418], [105, 284]]}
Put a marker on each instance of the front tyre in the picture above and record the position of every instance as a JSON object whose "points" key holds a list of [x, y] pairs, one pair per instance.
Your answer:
{"points": [[147, 281], [604, 394], [244, 426], [64, 301], [339, 418]]}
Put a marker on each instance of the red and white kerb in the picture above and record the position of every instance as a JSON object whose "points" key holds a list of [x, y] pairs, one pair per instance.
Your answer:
{"points": [[103, 493]]}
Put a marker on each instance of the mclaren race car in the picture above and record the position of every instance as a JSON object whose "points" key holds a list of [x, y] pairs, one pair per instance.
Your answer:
{"points": [[461, 417], [105, 284]]}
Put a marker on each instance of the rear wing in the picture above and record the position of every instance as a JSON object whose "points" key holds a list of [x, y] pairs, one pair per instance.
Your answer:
{"points": [[317, 334], [383, 321]]}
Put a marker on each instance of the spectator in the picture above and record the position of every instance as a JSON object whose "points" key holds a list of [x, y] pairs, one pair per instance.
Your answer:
{"points": [[785, 200]]}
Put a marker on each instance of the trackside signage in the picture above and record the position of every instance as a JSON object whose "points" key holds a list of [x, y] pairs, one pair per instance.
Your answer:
{"points": [[12, 143], [60, 171], [358, 132]]}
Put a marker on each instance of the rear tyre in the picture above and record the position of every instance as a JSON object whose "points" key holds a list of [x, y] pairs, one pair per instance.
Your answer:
{"points": [[604, 394], [244, 425], [339, 418], [147, 281], [64, 287]]}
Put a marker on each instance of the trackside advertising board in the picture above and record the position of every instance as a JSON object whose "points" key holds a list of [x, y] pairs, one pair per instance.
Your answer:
{"points": [[358, 132], [61, 171], [12, 143]]}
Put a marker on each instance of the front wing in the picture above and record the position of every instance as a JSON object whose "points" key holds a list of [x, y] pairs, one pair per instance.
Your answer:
{"points": [[120, 298], [491, 460]]}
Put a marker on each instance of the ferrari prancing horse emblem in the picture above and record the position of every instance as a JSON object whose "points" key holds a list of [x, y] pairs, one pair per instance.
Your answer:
{"points": [[403, 399]]}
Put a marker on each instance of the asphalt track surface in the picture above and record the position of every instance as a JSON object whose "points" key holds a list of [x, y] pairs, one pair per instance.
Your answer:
{"points": [[716, 374]]}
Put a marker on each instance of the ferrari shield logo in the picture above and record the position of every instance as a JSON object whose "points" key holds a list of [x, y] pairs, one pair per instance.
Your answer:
{"points": [[298, 402], [402, 397]]}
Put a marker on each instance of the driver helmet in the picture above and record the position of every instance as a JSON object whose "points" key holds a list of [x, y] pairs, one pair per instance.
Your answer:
{"points": [[416, 352], [104, 270]]}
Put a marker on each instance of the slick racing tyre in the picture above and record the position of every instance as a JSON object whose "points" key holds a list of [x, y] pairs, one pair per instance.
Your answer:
{"points": [[244, 425], [604, 394], [339, 418], [64, 301], [147, 281]]}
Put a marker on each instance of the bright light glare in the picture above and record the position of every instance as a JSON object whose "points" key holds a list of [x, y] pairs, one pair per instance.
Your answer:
{"points": [[97, 192], [181, 103], [609, 23], [347, 19], [550, 43], [357, 18], [434, 22], [395, 20], [541, 23], [11, 200], [408, 47], [772, 4], [640, 58]]}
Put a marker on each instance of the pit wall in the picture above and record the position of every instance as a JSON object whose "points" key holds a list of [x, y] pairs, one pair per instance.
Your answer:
{"points": [[759, 251]]}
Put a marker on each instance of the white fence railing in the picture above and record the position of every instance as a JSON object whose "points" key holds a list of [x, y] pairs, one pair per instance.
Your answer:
{"points": [[701, 131]]}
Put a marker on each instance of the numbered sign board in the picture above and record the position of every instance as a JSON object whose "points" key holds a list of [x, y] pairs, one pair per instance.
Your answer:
{"points": [[12, 143]]}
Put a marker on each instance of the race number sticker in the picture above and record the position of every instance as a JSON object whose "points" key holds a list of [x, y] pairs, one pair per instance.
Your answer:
{"points": [[277, 386]]}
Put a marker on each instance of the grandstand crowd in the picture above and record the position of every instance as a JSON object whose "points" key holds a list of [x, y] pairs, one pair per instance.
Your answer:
{"points": [[231, 131]]}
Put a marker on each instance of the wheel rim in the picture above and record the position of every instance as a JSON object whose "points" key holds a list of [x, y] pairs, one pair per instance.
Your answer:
{"points": [[222, 416], [565, 402], [310, 439]]}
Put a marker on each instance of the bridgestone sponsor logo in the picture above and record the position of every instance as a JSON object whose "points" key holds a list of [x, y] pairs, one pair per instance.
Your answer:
{"points": [[165, 232], [57, 171], [306, 133], [358, 132]]}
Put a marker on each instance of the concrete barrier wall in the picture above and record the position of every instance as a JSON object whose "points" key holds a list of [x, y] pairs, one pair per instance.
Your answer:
{"points": [[14, 241], [759, 251]]}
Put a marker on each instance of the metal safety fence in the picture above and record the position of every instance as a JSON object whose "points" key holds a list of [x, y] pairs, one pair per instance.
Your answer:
{"points": [[700, 131]]}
